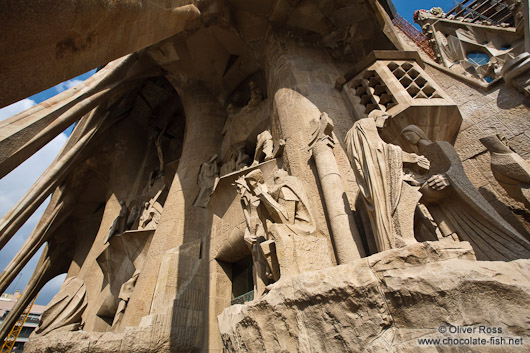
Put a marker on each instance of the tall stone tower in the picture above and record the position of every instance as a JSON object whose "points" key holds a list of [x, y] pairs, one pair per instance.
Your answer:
{"points": [[271, 175]]}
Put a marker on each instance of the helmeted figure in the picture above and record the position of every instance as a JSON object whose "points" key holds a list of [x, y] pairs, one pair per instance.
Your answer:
{"points": [[510, 170]]}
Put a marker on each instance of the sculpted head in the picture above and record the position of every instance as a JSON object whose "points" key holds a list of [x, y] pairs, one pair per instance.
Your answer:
{"points": [[254, 178], [381, 118], [279, 175], [413, 134], [496, 143]]}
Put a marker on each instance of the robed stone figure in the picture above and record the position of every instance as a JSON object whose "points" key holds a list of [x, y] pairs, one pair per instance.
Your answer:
{"points": [[378, 167], [458, 207]]}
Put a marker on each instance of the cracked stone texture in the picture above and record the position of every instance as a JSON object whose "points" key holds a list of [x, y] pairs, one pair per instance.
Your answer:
{"points": [[385, 303]]}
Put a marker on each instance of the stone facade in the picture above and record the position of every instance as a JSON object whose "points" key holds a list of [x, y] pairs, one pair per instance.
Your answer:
{"points": [[269, 176]]}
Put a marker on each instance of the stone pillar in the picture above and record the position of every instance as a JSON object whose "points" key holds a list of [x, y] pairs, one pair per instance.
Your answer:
{"points": [[25, 133], [35, 240], [51, 263], [301, 81], [172, 293], [346, 239]]}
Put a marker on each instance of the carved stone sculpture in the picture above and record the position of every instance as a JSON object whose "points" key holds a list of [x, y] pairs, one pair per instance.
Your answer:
{"points": [[346, 240], [286, 220], [256, 95], [255, 233], [120, 223], [150, 216], [124, 296], [207, 180], [65, 310], [458, 207], [264, 148], [238, 160], [509, 169], [132, 218], [230, 165], [378, 167]]}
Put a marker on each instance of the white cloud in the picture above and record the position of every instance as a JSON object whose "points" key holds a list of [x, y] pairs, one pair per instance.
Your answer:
{"points": [[63, 86], [14, 185], [16, 108]]}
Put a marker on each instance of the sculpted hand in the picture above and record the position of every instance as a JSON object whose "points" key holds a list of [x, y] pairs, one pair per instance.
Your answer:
{"points": [[423, 163], [438, 182]]}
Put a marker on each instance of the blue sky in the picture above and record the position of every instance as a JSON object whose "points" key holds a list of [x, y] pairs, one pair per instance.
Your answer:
{"points": [[406, 8], [14, 185]]}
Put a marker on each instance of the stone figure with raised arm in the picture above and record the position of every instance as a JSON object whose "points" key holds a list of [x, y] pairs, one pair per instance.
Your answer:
{"points": [[255, 235], [290, 224], [207, 181], [510, 170], [264, 148], [459, 208], [378, 167]]}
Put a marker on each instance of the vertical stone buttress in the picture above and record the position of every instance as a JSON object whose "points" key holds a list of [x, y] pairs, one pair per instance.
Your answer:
{"points": [[301, 82], [172, 291]]}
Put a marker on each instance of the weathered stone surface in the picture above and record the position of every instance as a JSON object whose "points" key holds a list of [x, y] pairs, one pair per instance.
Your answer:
{"points": [[385, 302]]}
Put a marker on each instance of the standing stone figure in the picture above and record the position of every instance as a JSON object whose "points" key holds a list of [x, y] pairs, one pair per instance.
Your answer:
{"points": [[119, 224], [458, 207], [255, 233], [126, 291], [207, 181], [378, 168], [264, 148], [509, 169]]}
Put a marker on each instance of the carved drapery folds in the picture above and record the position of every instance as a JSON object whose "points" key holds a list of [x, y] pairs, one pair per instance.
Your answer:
{"points": [[65, 310], [378, 167], [280, 230]]}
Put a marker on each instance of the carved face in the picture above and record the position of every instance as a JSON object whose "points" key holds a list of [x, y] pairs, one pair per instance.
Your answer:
{"points": [[411, 137]]}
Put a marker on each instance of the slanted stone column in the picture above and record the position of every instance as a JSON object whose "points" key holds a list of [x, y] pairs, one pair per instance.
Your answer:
{"points": [[346, 239]]}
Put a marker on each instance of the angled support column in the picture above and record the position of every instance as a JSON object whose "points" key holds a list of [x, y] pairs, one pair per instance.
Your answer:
{"points": [[46, 183], [51, 264], [344, 233], [24, 134], [54, 215]]}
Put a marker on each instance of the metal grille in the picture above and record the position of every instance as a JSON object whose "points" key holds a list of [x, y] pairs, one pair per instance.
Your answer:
{"points": [[414, 34]]}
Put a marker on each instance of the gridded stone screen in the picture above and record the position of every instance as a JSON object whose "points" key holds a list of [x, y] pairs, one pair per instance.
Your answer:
{"points": [[412, 80], [372, 93], [400, 87]]}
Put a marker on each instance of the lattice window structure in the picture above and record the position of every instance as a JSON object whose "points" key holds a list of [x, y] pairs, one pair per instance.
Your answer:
{"points": [[372, 93], [412, 81]]}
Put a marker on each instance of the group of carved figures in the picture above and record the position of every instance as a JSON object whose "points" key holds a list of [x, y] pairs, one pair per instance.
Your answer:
{"points": [[210, 172], [435, 183], [400, 191], [277, 220]]}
